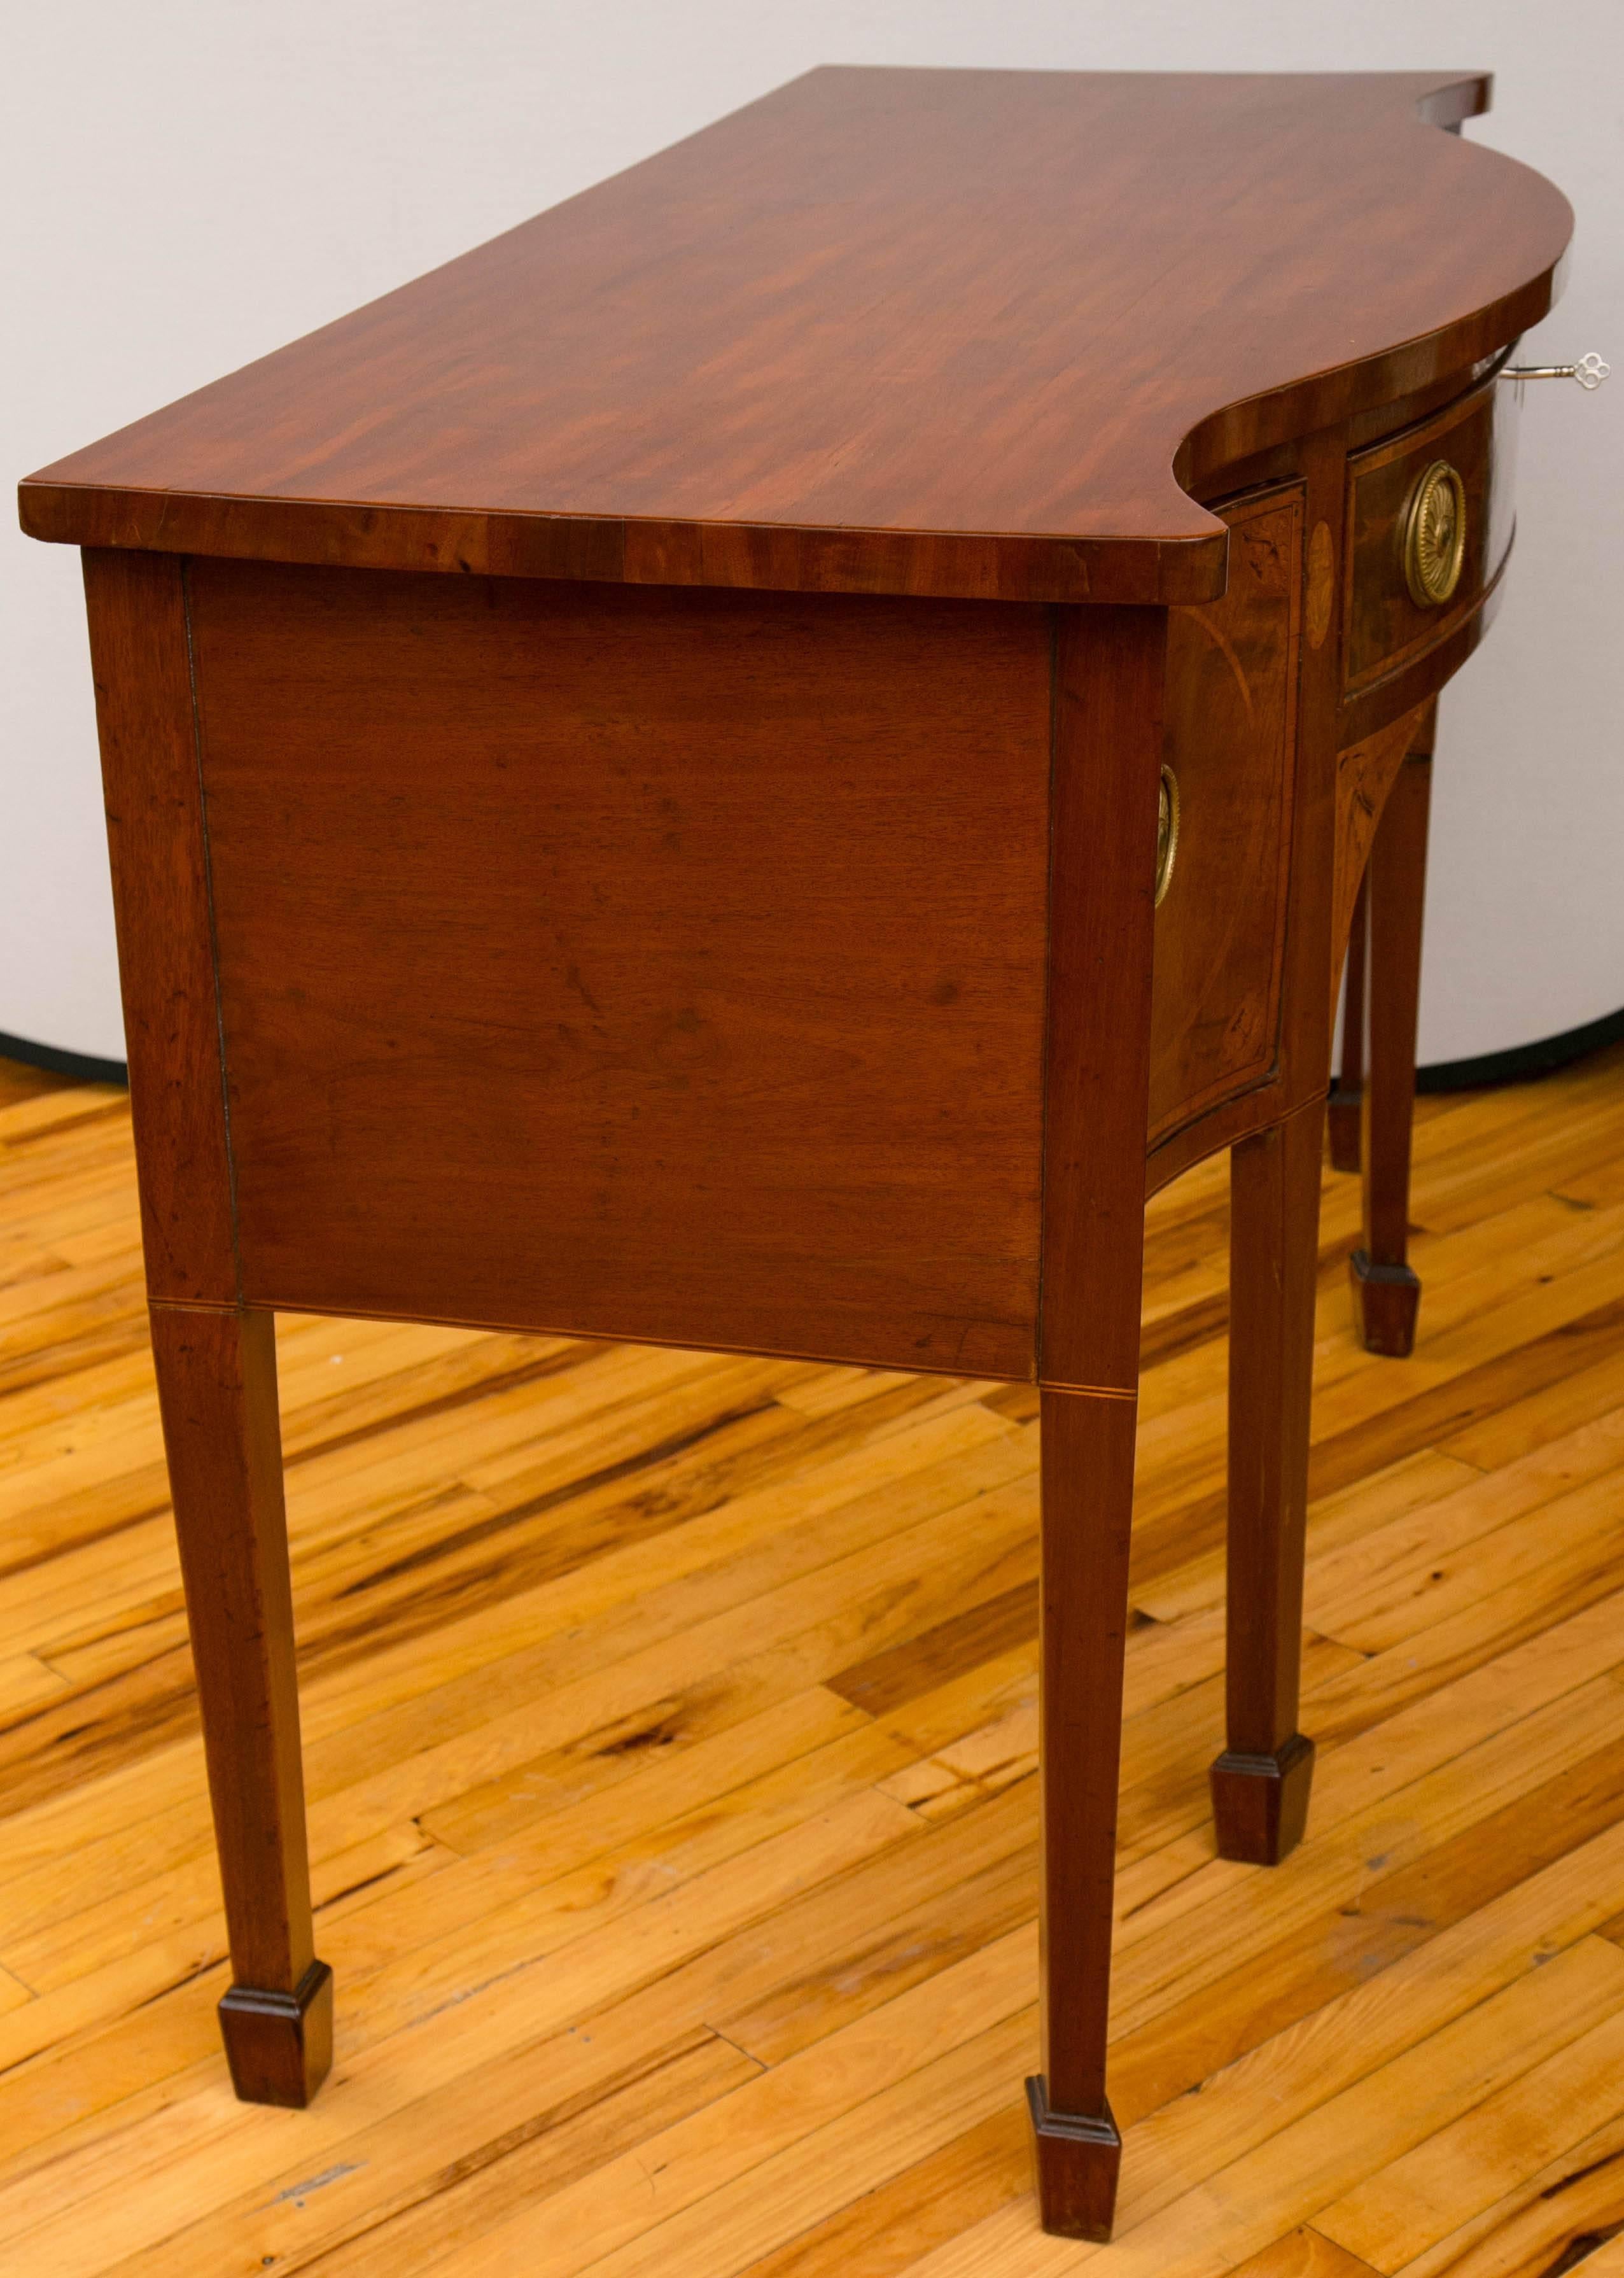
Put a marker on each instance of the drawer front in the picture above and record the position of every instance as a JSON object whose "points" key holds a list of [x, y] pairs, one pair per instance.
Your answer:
{"points": [[1430, 516], [1231, 699]]}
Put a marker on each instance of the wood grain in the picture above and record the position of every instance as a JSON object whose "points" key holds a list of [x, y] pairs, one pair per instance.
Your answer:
{"points": [[157, 840], [218, 1393], [1087, 1512], [1386, 1289], [1260, 1782], [874, 333], [1344, 1107], [1109, 686], [669, 1972], [1232, 743], [690, 1002], [1366, 774], [1384, 627], [774, 968]]}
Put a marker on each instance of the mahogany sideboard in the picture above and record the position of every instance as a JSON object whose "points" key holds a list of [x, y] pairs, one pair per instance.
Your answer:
{"points": [[751, 763]]}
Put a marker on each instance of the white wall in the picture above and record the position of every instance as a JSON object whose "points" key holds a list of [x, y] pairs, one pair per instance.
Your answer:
{"points": [[189, 183]]}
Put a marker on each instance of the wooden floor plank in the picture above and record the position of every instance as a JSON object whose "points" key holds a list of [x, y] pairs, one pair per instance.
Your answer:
{"points": [[1302, 2254], [1467, 2167], [1569, 2212], [1201, 2221], [670, 1725]]}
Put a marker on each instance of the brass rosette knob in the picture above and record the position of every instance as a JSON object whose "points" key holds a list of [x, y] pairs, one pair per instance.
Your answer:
{"points": [[1435, 535]]}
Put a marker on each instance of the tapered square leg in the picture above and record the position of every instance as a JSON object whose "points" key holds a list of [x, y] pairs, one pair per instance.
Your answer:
{"points": [[1077, 2164], [279, 2045], [1344, 1114], [1386, 1300], [1088, 1473], [1386, 1293], [217, 1392], [1110, 674], [1260, 1804], [1260, 1782], [1344, 1109]]}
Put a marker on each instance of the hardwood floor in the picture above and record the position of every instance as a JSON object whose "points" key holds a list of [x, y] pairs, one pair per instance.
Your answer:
{"points": [[669, 1733]]}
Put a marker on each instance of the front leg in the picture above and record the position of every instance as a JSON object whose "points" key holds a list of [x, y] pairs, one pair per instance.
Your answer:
{"points": [[215, 1360], [217, 1392], [1259, 1783], [1110, 665], [1087, 1475]]}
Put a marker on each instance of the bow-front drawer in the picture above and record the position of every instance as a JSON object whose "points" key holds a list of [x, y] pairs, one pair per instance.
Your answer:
{"points": [[1429, 519]]}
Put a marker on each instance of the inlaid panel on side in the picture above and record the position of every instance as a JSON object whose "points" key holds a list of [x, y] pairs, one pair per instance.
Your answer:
{"points": [[1231, 698], [666, 965]]}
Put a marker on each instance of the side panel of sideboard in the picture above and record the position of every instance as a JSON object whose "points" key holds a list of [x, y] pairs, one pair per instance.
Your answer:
{"points": [[661, 964], [1232, 745]]}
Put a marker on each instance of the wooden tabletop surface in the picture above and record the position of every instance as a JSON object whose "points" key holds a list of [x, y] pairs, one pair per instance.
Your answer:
{"points": [[916, 330]]}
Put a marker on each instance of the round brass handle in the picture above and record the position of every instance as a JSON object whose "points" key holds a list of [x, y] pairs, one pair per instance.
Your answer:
{"points": [[1167, 833], [1435, 535]]}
